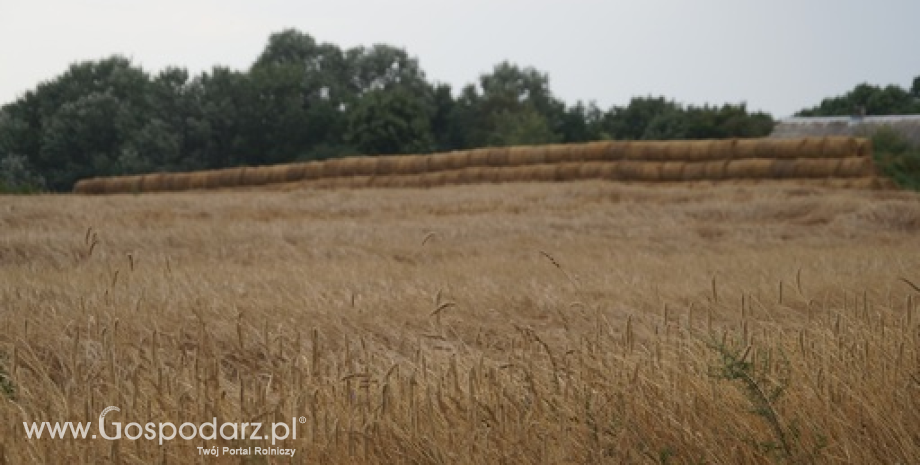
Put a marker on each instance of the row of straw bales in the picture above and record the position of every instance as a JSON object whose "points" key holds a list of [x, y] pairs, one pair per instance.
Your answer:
{"points": [[647, 161]]}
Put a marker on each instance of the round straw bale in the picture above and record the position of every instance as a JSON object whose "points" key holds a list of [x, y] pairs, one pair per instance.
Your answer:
{"points": [[815, 167], [839, 147], [514, 174], [650, 171], [312, 170], [254, 176], [352, 166], [676, 150], [439, 162], [745, 148], [277, 174], [211, 178], [558, 153], [415, 164], [864, 147], [722, 149], [181, 181], [853, 167], [749, 168], [783, 168], [490, 175], [596, 151], [459, 160], [714, 170], [89, 186], [434, 179], [333, 167], [630, 170], [568, 171], [700, 150], [530, 155], [647, 150], [152, 182], [198, 180], [694, 171], [294, 172], [471, 175], [672, 170], [478, 157], [452, 177], [387, 165], [617, 150], [499, 156], [592, 169]]}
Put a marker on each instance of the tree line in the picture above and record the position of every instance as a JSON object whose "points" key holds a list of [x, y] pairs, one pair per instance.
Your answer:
{"points": [[305, 100]]}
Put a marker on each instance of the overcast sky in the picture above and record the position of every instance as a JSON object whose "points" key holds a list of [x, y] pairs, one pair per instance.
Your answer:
{"points": [[778, 56]]}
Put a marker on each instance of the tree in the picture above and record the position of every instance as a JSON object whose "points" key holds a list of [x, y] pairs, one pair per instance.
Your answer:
{"points": [[390, 122]]}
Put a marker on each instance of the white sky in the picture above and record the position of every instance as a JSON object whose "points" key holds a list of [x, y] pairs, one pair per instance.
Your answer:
{"points": [[778, 56]]}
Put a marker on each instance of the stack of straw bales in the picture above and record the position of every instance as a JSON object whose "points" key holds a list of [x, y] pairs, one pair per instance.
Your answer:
{"points": [[637, 161]]}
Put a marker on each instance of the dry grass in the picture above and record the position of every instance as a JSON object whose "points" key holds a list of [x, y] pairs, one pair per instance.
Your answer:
{"points": [[520, 323]]}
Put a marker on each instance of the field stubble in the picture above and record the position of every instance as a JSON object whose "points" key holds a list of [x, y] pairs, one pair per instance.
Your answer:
{"points": [[519, 323]]}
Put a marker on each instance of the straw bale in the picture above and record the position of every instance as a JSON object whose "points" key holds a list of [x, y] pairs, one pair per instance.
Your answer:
{"points": [[347, 166], [276, 174], [434, 179], [514, 174], [89, 186], [749, 168], [672, 170], [294, 172], [387, 165], [839, 147], [852, 167], [254, 176], [558, 153], [499, 156], [568, 171], [331, 168], [211, 178], [181, 181], [490, 175], [478, 157], [647, 150], [618, 150], [532, 155], [596, 151], [714, 170], [312, 170], [590, 170], [722, 149], [608, 170], [783, 168], [414, 164], [815, 167], [198, 180], [152, 182], [634, 170], [700, 150], [459, 160], [470, 175], [440, 162], [576, 152], [864, 147], [694, 171], [452, 177], [745, 148], [649, 172]]}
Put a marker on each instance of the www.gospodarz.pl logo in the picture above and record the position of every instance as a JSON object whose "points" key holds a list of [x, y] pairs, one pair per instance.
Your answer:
{"points": [[165, 431]]}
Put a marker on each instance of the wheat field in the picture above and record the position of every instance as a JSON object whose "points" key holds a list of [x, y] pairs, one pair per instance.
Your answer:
{"points": [[585, 322]]}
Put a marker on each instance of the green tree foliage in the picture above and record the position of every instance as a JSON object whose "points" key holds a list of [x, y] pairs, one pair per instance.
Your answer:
{"points": [[873, 100], [302, 100]]}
